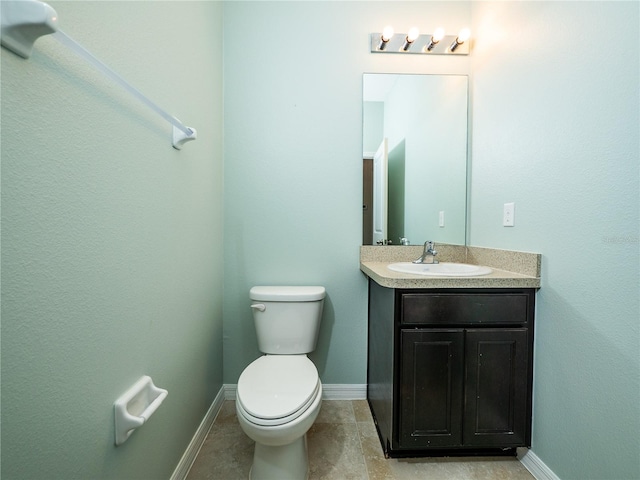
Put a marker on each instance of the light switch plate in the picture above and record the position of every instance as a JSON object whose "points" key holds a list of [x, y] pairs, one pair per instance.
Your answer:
{"points": [[508, 216]]}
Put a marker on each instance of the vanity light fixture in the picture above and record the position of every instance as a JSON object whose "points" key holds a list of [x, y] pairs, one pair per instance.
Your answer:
{"points": [[410, 38], [386, 35], [435, 39], [462, 37], [436, 43]]}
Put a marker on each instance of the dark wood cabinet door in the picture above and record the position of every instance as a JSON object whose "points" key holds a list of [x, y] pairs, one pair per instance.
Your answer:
{"points": [[431, 388], [496, 410]]}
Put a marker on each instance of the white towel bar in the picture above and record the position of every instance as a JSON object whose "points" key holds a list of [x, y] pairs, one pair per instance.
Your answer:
{"points": [[24, 21]]}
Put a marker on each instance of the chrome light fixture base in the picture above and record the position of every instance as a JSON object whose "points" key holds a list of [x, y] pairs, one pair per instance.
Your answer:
{"points": [[419, 46]]}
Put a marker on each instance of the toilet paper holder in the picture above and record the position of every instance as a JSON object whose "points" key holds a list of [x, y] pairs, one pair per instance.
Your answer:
{"points": [[134, 407]]}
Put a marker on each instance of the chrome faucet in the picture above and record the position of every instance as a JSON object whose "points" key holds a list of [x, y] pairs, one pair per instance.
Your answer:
{"points": [[429, 251]]}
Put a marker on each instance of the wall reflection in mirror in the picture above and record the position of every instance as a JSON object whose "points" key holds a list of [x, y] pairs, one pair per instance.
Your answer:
{"points": [[414, 158]]}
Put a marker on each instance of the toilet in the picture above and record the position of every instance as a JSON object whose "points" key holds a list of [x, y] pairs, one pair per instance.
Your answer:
{"points": [[279, 394]]}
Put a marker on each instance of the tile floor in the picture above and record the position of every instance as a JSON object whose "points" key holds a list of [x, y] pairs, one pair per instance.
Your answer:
{"points": [[343, 445]]}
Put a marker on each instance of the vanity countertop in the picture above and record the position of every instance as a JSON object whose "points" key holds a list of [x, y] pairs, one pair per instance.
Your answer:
{"points": [[379, 272], [523, 268]]}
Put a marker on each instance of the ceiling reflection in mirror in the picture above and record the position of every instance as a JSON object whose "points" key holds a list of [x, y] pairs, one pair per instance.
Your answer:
{"points": [[416, 188]]}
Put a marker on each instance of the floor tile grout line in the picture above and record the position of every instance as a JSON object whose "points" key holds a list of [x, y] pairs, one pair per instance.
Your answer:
{"points": [[359, 432]]}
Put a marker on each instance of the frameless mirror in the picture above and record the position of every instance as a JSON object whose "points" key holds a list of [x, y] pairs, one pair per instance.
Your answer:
{"points": [[414, 158]]}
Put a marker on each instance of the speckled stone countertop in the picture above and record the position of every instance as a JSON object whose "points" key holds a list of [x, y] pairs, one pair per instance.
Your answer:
{"points": [[511, 269]]}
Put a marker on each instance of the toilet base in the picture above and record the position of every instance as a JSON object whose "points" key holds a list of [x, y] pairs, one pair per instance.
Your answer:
{"points": [[285, 462]]}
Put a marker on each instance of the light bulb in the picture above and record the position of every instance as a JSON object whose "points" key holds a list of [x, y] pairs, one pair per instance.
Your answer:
{"points": [[413, 34], [410, 38], [435, 38], [387, 33], [463, 36]]}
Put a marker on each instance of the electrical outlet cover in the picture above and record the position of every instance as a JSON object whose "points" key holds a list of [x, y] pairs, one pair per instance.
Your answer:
{"points": [[508, 216]]}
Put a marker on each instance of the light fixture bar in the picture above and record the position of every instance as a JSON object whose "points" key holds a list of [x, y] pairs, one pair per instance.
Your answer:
{"points": [[419, 45]]}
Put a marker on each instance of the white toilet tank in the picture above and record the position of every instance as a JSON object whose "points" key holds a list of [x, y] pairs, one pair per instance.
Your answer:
{"points": [[287, 319]]}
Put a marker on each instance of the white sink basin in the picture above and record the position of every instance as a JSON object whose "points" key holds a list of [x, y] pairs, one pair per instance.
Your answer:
{"points": [[441, 269]]}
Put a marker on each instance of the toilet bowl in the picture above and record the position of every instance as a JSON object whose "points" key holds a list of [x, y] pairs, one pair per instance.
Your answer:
{"points": [[279, 395], [278, 412]]}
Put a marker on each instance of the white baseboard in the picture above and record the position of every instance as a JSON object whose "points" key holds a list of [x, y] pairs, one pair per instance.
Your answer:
{"points": [[344, 391], [190, 454], [230, 391], [536, 467], [331, 391]]}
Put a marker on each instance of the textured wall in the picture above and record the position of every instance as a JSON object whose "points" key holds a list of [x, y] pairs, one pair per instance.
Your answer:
{"points": [[293, 159], [555, 130], [111, 266]]}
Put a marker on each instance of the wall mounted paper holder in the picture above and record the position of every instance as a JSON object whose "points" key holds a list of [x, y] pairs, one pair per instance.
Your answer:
{"points": [[134, 407]]}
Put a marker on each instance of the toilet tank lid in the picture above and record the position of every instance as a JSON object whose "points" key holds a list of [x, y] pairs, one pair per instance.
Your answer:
{"points": [[287, 294]]}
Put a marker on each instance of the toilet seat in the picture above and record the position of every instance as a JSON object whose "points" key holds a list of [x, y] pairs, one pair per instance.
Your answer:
{"points": [[277, 389]]}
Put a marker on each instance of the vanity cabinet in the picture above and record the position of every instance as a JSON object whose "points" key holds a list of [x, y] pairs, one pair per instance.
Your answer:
{"points": [[450, 370]]}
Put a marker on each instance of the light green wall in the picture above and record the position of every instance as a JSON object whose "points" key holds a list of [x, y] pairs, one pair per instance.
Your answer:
{"points": [[111, 240], [293, 167], [556, 130], [372, 126]]}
